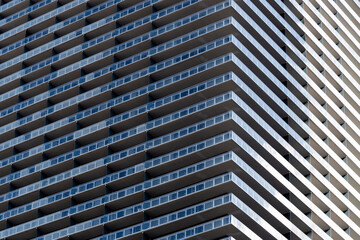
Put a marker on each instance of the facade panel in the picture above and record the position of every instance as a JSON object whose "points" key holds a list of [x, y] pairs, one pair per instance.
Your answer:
{"points": [[179, 119]]}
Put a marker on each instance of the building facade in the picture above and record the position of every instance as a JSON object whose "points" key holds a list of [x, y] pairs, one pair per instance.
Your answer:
{"points": [[174, 119]]}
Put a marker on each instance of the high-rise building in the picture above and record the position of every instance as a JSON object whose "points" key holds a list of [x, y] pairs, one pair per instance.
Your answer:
{"points": [[173, 119]]}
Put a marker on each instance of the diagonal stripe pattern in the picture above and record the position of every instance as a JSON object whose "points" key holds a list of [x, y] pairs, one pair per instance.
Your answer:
{"points": [[181, 119]]}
